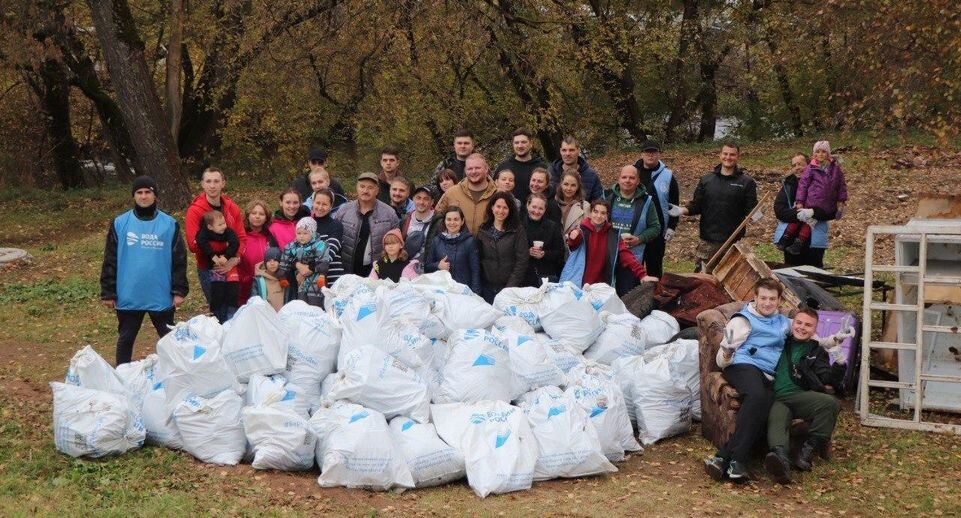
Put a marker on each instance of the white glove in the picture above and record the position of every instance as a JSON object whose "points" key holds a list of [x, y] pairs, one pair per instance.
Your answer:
{"points": [[728, 338], [668, 235], [673, 210], [837, 355], [847, 331], [805, 214], [812, 222]]}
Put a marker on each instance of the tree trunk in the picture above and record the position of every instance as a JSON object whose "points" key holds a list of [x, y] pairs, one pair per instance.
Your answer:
{"points": [[53, 90], [707, 99], [690, 33], [175, 51], [138, 101], [784, 83]]}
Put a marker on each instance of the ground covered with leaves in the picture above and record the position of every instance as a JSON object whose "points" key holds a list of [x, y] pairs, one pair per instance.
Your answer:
{"points": [[51, 309]]}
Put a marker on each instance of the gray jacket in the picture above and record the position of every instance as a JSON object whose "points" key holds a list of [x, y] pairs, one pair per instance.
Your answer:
{"points": [[382, 219]]}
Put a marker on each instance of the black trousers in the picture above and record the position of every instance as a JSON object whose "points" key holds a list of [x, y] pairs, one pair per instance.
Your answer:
{"points": [[757, 396], [223, 299], [809, 256], [128, 327], [654, 256]]}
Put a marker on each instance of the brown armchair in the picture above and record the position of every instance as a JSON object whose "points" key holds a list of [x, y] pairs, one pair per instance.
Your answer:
{"points": [[719, 400]]}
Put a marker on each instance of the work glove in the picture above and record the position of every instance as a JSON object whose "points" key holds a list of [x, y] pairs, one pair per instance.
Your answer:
{"points": [[668, 235], [673, 210], [837, 355], [833, 345], [726, 343], [805, 214]]}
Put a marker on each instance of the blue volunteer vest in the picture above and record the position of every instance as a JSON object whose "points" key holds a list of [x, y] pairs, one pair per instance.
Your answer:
{"points": [[763, 346], [638, 250], [144, 261], [661, 181]]}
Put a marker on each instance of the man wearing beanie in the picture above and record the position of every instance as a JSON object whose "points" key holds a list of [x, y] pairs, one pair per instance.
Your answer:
{"points": [[144, 267]]}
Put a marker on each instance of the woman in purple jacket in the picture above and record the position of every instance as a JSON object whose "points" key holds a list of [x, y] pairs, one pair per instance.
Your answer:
{"points": [[821, 188]]}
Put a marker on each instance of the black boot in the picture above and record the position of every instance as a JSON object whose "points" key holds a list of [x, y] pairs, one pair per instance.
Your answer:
{"points": [[777, 465], [784, 242], [715, 467], [805, 457], [796, 247]]}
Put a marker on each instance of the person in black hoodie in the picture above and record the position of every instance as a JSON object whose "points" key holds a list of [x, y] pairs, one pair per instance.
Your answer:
{"points": [[523, 162], [545, 241], [455, 161], [723, 198], [145, 270], [802, 378]]}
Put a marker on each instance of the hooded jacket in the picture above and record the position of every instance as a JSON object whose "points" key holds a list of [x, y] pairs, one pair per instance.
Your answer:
{"points": [[785, 213], [590, 181], [284, 229], [822, 187], [723, 202], [194, 218], [257, 244], [596, 256], [266, 286], [461, 252], [460, 196]]}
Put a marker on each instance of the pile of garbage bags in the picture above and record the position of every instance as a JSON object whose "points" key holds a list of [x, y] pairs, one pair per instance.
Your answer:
{"points": [[398, 386]]}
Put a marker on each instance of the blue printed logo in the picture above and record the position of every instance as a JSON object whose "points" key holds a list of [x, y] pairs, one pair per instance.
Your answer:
{"points": [[521, 340], [365, 311], [406, 426], [358, 416], [555, 410], [483, 360], [199, 351], [288, 395], [596, 411], [501, 439], [477, 418]]}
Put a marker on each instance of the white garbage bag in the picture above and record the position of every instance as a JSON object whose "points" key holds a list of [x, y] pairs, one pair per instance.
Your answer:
{"points": [[624, 369], [623, 336], [325, 388], [362, 321], [463, 311], [380, 382], [557, 295], [662, 401], [495, 438], [521, 302], [355, 449], [275, 391], [191, 363], [684, 359], [139, 377], [431, 461], [280, 439], [403, 340], [576, 322], [599, 395], [514, 323], [477, 369], [603, 297], [562, 354], [159, 420], [440, 280], [256, 341], [531, 366], [659, 327], [89, 370], [567, 442], [212, 429], [94, 423], [344, 290], [405, 303], [313, 340]]}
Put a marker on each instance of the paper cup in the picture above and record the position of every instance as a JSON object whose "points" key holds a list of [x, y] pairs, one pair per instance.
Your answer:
{"points": [[538, 244]]}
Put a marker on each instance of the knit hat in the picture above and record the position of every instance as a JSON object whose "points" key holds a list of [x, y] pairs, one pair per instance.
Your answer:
{"points": [[272, 254], [822, 144], [143, 182], [396, 233], [307, 223]]}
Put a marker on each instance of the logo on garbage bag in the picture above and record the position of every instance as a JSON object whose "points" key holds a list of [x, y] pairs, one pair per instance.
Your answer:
{"points": [[501, 439], [555, 410], [477, 418], [288, 395], [199, 351], [406, 426], [365, 311], [132, 239], [358, 416], [483, 360], [521, 340], [598, 410]]}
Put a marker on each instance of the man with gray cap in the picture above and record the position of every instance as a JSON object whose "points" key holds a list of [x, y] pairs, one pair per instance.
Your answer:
{"points": [[365, 221], [144, 267], [662, 186]]}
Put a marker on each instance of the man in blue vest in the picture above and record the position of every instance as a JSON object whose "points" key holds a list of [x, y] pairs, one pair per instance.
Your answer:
{"points": [[633, 216], [144, 267], [662, 186], [749, 353]]}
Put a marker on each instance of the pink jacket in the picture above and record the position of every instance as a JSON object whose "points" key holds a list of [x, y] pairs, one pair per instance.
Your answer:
{"points": [[257, 244]]}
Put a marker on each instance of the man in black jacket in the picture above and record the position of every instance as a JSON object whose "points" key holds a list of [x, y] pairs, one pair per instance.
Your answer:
{"points": [[316, 159], [802, 379], [463, 148], [723, 198], [522, 162], [144, 268]]}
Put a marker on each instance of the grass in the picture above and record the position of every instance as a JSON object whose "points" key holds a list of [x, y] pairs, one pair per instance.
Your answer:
{"points": [[52, 308]]}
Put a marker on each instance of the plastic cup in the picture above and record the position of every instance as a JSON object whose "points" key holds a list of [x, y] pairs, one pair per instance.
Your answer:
{"points": [[538, 244]]}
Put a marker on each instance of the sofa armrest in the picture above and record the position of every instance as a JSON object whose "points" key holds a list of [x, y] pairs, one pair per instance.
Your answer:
{"points": [[710, 329]]}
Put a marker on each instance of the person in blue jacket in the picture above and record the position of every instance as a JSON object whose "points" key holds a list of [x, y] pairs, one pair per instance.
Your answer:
{"points": [[144, 267], [455, 250]]}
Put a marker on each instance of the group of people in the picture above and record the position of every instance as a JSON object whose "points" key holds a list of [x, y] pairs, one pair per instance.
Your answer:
{"points": [[524, 221]]}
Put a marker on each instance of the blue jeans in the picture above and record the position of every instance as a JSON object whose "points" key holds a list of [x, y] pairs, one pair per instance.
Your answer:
{"points": [[204, 277]]}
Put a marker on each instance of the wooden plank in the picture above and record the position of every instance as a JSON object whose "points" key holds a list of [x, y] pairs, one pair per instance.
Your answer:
{"points": [[709, 267]]}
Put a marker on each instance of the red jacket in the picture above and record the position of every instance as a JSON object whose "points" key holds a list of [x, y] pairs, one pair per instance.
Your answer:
{"points": [[597, 253], [195, 218]]}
